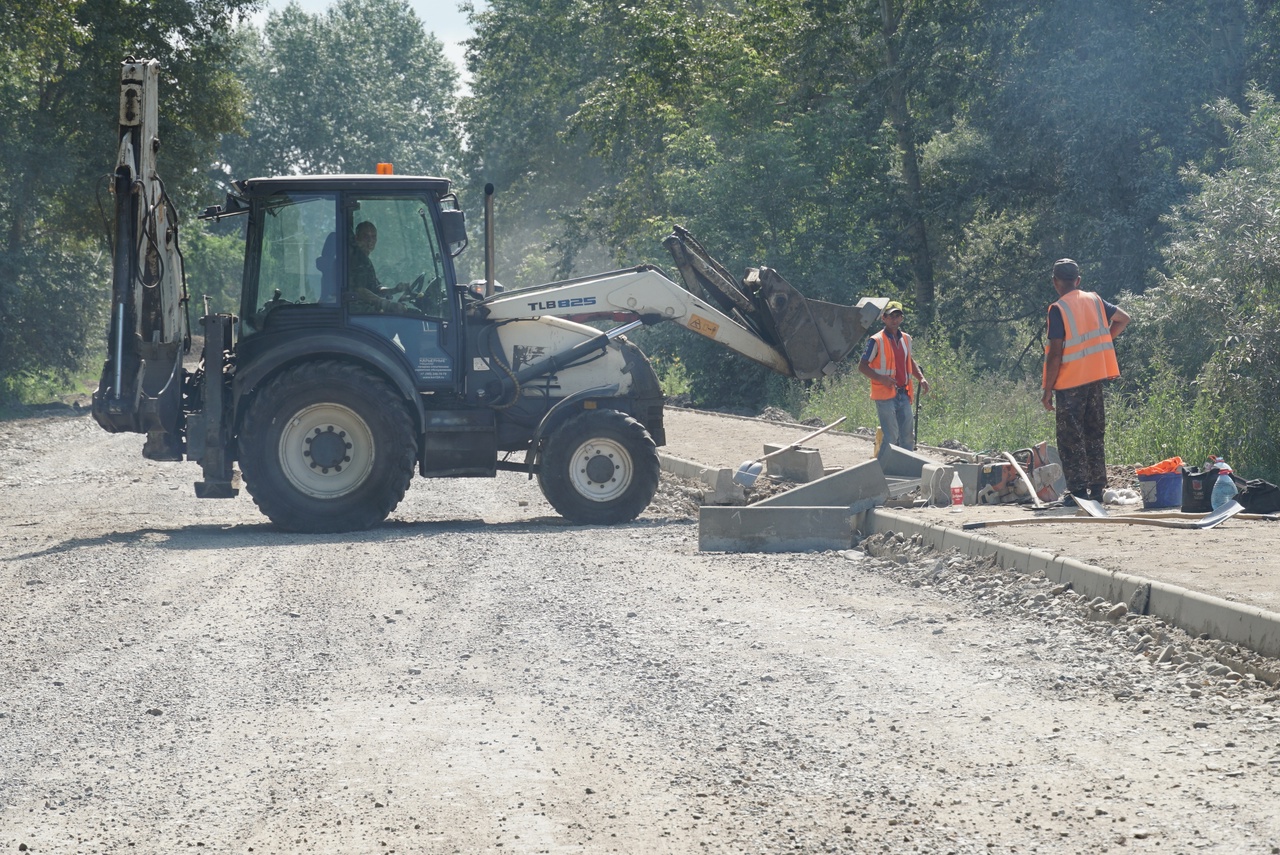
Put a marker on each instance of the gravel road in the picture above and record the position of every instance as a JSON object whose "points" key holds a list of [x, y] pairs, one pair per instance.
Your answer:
{"points": [[478, 676]]}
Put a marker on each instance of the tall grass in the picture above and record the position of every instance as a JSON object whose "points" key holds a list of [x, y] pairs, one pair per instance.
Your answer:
{"points": [[1158, 418], [984, 413], [28, 388]]}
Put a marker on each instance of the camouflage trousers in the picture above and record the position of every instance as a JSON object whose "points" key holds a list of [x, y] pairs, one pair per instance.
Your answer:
{"points": [[1082, 425]]}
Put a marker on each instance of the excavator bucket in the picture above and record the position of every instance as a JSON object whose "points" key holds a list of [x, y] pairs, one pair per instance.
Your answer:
{"points": [[813, 335]]}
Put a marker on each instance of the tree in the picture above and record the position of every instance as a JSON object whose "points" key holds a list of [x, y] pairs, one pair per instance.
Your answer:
{"points": [[360, 84], [1217, 310], [60, 66]]}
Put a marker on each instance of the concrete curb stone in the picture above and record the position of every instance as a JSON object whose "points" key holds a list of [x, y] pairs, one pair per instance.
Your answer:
{"points": [[1192, 611]]}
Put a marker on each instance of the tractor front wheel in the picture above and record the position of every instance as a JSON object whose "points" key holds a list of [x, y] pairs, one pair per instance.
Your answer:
{"points": [[599, 467]]}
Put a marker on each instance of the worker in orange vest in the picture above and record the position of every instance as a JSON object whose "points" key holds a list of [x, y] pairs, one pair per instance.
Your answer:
{"points": [[888, 364], [1079, 357]]}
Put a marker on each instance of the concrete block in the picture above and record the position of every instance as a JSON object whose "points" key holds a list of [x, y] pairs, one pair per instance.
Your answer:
{"points": [[857, 488], [777, 529], [970, 478], [680, 467], [720, 488], [935, 484], [900, 463], [800, 464]]}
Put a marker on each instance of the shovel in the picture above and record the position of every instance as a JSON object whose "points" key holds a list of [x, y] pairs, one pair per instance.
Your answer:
{"points": [[750, 470]]}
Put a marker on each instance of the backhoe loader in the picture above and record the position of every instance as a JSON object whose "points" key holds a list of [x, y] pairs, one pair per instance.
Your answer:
{"points": [[357, 357]]}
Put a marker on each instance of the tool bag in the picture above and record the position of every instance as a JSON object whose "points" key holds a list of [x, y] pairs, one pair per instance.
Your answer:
{"points": [[1197, 485], [1258, 496]]}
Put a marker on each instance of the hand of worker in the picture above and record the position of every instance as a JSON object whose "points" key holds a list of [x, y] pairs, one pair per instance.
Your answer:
{"points": [[1047, 399], [924, 385]]}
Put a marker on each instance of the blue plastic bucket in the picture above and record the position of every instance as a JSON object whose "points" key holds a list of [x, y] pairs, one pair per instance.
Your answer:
{"points": [[1161, 491]]}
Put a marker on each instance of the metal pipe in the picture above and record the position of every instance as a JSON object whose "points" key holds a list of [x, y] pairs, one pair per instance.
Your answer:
{"points": [[123, 271], [488, 240]]}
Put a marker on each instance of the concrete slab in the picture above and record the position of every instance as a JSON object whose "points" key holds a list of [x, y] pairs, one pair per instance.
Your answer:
{"points": [[901, 463], [778, 529], [798, 464], [858, 487], [970, 477]]}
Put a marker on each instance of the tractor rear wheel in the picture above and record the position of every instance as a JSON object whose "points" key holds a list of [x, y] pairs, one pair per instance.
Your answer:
{"points": [[327, 447], [600, 467]]}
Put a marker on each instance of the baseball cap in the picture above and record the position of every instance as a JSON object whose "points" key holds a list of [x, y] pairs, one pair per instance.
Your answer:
{"points": [[891, 307], [1066, 270]]}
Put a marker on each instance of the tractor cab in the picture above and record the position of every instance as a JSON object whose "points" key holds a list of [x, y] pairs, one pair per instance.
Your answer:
{"points": [[363, 255]]}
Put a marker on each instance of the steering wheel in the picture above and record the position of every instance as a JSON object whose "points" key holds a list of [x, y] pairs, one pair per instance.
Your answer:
{"points": [[408, 293]]}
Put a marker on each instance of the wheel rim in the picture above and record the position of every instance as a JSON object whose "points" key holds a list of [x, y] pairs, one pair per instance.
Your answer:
{"points": [[326, 450], [600, 470]]}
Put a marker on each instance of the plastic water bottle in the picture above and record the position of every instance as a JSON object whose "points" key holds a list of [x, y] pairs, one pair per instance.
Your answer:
{"points": [[1224, 489], [957, 492]]}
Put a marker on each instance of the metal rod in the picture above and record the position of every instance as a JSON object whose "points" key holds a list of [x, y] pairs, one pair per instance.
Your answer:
{"points": [[623, 330], [488, 240]]}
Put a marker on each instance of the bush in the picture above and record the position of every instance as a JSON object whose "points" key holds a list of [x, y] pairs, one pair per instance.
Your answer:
{"points": [[53, 301]]}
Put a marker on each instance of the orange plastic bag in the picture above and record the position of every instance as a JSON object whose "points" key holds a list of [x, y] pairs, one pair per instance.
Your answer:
{"points": [[1162, 468]]}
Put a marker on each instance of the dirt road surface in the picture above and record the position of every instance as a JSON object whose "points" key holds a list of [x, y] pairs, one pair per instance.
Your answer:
{"points": [[478, 676]]}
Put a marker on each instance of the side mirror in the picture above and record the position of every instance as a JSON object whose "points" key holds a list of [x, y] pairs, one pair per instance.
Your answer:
{"points": [[453, 231]]}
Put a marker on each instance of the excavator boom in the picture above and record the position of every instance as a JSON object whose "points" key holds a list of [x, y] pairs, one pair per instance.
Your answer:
{"points": [[141, 386]]}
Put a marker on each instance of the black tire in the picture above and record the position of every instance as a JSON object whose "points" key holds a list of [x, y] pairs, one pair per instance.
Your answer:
{"points": [[600, 467], [326, 447]]}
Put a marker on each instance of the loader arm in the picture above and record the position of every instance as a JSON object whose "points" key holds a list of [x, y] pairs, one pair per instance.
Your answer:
{"points": [[642, 293], [142, 381], [762, 318]]}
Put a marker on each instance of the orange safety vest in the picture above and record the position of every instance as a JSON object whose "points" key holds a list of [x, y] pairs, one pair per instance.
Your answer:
{"points": [[1088, 354], [881, 362]]}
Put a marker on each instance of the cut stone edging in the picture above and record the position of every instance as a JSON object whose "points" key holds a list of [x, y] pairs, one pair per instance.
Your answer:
{"points": [[1248, 626]]}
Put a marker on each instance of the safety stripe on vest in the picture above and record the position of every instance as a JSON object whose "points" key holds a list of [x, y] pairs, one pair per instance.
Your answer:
{"points": [[883, 368], [1068, 317]]}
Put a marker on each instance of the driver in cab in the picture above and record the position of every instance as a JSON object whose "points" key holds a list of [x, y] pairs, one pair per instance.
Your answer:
{"points": [[367, 292]]}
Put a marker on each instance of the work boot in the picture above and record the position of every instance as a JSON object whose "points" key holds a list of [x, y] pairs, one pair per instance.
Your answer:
{"points": [[1068, 500], [1096, 491]]}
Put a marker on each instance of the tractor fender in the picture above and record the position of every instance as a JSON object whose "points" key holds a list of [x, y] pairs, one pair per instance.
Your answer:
{"points": [[560, 413], [369, 352]]}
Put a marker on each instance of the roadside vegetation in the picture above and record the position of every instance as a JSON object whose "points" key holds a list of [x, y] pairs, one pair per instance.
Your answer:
{"points": [[939, 152]]}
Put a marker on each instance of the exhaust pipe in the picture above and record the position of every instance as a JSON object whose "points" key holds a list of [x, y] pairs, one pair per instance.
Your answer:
{"points": [[488, 240]]}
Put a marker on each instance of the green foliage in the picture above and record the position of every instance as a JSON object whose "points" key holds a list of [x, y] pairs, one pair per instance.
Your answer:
{"points": [[984, 411], [59, 103], [52, 316], [1216, 312], [341, 91], [673, 377], [214, 264], [1154, 421], [871, 148]]}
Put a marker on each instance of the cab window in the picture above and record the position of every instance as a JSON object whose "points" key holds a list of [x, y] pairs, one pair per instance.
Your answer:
{"points": [[395, 265], [298, 258]]}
